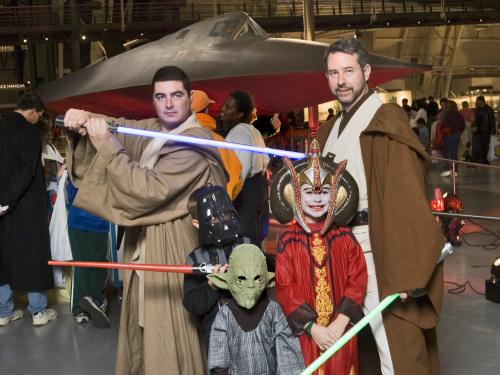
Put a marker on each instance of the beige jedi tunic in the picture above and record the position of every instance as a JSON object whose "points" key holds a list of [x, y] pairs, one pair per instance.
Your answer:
{"points": [[113, 185]]}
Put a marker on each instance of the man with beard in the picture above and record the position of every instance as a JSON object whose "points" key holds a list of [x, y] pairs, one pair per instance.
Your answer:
{"points": [[387, 161], [144, 184]]}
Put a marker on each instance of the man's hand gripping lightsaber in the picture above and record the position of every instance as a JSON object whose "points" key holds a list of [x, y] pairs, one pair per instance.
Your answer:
{"points": [[116, 128]]}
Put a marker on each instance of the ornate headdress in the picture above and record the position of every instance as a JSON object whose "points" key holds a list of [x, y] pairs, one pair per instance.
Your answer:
{"points": [[317, 171]]}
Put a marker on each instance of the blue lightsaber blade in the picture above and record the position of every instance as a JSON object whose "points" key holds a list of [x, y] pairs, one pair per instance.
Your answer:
{"points": [[59, 122]]}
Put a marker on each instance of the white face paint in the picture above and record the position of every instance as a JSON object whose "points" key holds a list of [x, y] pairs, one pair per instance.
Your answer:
{"points": [[314, 205]]}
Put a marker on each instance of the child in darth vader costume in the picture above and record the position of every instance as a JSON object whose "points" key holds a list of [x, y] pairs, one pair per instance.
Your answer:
{"points": [[321, 274], [219, 231], [250, 335]]}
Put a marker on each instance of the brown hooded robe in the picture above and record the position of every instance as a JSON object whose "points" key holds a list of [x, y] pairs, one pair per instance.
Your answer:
{"points": [[113, 186], [405, 238]]}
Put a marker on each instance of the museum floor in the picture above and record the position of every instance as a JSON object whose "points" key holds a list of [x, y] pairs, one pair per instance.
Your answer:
{"points": [[469, 330]]}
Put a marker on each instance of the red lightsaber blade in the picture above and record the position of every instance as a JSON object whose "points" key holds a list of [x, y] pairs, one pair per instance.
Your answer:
{"points": [[196, 269]]}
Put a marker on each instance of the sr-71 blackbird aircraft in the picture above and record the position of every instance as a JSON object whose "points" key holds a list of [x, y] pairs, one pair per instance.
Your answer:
{"points": [[220, 55]]}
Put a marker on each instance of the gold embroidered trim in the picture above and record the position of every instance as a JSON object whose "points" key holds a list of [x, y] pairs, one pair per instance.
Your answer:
{"points": [[324, 305], [323, 301], [318, 250]]}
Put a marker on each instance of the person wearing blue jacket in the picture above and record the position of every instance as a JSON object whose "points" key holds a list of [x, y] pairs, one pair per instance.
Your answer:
{"points": [[88, 236]]}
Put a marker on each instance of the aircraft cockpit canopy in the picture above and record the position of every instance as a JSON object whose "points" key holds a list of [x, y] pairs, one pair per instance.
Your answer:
{"points": [[235, 29], [224, 29]]}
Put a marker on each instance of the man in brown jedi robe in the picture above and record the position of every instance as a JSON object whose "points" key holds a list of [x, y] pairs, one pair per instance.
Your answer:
{"points": [[394, 225], [144, 184]]}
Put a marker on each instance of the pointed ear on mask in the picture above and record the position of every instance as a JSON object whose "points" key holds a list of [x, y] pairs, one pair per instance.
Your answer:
{"points": [[220, 279], [270, 279]]}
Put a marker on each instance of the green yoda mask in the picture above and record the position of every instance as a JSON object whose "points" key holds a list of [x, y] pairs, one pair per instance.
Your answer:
{"points": [[247, 276]]}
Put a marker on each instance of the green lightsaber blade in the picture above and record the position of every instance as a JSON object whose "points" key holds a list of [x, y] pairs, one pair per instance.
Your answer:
{"points": [[350, 334]]}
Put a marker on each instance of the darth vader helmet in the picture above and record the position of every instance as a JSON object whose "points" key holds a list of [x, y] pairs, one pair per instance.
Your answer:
{"points": [[219, 223]]}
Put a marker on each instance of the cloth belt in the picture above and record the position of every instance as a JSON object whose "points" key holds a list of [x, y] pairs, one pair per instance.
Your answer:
{"points": [[360, 218]]}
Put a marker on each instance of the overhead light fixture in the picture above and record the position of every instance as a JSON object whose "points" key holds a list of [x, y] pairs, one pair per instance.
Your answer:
{"points": [[84, 37], [388, 24], [419, 22], [480, 20], [142, 34], [25, 40], [46, 38], [493, 283]]}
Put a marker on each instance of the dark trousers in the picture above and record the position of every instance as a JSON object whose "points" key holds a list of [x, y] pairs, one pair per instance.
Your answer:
{"points": [[251, 205], [450, 146], [89, 247], [480, 147]]}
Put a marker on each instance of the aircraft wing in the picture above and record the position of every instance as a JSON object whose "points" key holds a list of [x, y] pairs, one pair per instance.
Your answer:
{"points": [[220, 55]]}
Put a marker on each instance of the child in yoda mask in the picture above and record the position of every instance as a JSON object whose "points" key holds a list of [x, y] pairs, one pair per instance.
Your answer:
{"points": [[219, 231], [321, 273], [250, 334]]}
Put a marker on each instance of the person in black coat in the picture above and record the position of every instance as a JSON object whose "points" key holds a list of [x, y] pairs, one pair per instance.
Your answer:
{"points": [[482, 128], [24, 227]]}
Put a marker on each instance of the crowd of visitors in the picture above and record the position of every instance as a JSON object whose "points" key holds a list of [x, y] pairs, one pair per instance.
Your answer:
{"points": [[451, 133]]}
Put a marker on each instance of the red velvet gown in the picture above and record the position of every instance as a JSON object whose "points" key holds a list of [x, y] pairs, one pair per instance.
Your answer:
{"points": [[317, 277]]}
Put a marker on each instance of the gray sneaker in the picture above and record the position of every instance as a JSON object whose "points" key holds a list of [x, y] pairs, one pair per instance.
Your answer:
{"points": [[16, 314], [81, 318], [97, 313], [43, 317]]}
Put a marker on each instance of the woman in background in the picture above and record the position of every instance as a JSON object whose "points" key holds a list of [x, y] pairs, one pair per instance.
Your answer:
{"points": [[235, 116]]}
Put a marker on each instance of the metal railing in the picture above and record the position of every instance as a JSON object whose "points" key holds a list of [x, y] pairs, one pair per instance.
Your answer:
{"points": [[53, 15], [454, 163]]}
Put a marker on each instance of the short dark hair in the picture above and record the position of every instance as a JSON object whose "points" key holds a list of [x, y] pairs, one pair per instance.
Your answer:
{"points": [[172, 73], [350, 46], [480, 97], [443, 100], [451, 106], [244, 103], [420, 103], [30, 101], [430, 98], [404, 100]]}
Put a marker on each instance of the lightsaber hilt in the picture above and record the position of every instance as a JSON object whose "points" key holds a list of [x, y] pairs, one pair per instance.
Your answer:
{"points": [[447, 250], [200, 269], [59, 123]]}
